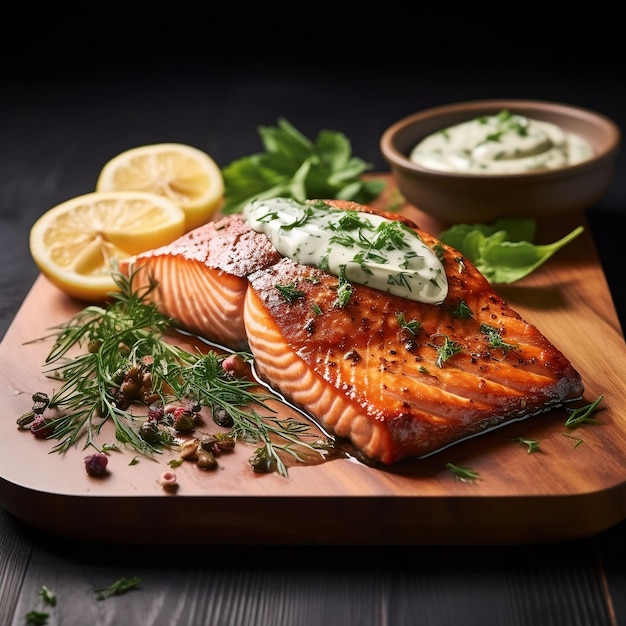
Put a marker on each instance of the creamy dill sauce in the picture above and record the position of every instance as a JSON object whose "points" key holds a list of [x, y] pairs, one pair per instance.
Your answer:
{"points": [[505, 143], [361, 247]]}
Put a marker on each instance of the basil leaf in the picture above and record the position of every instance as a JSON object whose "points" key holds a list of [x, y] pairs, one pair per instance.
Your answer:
{"points": [[503, 251], [293, 166]]}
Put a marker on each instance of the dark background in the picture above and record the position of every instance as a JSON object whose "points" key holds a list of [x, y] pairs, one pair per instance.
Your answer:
{"points": [[80, 85]]}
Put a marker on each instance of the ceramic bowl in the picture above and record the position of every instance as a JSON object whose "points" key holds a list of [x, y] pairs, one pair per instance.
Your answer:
{"points": [[461, 197]]}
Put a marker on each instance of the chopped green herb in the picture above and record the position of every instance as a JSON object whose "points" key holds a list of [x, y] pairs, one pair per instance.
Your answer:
{"points": [[463, 311], [414, 326], [37, 618], [582, 415], [48, 596], [533, 445], [495, 338], [344, 291], [463, 473], [439, 251], [446, 350], [119, 587], [290, 292], [577, 440]]}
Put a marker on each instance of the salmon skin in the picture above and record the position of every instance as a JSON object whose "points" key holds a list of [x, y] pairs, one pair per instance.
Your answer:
{"points": [[398, 378]]}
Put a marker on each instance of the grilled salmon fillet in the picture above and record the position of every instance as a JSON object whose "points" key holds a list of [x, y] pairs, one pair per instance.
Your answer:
{"points": [[397, 377], [201, 278], [401, 378]]}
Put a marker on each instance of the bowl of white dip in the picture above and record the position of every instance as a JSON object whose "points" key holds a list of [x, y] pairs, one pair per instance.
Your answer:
{"points": [[477, 161]]}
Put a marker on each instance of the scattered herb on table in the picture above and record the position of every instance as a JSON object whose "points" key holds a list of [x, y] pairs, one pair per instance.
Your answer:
{"points": [[119, 587], [531, 444], [504, 251], [577, 440], [464, 474], [37, 618], [582, 415], [48, 596], [293, 166], [129, 362]]}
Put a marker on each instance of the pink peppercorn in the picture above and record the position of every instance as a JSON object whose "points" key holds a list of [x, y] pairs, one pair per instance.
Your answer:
{"points": [[96, 464], [235, 364], [168, 480], [42, 427]]}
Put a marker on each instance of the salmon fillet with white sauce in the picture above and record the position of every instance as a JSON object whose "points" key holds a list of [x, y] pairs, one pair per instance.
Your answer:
{"points": [[201, 278], [396, 377], [401, 378]]}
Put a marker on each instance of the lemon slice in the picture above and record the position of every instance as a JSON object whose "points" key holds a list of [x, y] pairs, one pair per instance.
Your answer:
{"points": [[74, 243], [184, 174]]}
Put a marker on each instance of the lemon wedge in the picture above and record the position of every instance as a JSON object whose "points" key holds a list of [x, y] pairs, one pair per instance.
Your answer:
{"points": [[182, 173], [75, 243]]}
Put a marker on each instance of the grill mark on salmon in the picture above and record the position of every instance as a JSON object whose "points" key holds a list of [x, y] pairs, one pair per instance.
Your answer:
{"points": [[364, 377], [202, 277]]}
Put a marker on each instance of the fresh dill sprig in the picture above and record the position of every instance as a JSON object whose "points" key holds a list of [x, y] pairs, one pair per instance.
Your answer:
{"points": [[129, 335], [414, 326], [446, 350]]}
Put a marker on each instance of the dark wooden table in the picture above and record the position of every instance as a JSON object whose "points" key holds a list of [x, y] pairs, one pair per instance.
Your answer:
{"points": [[63, 116]]}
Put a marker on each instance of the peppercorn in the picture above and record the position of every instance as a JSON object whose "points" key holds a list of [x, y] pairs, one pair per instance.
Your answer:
{"points": [[96, 464]]}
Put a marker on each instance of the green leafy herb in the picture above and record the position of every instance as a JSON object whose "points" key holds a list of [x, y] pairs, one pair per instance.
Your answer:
{"points": [[48, 596], [495, 338], [119, 587], [503, 251], [414, 326], [464, 474], [292, 166], [577, 440], [37, 618], [129, 334], [463, 311], [290, 292], [344, 290], [446, 350], [582, 415], [532, 444]]}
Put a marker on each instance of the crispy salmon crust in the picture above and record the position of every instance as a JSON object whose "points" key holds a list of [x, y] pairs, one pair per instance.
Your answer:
{"points": [[201, 278], [364, 374]]}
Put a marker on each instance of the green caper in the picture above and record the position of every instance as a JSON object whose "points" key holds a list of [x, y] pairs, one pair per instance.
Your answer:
{"points": [[206, 460]]}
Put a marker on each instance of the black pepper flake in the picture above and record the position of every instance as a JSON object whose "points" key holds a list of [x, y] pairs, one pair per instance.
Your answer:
{"points": [[353, 356]]}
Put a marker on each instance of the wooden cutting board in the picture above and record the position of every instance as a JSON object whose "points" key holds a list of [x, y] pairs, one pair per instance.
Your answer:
{"points": [[573, 487]]}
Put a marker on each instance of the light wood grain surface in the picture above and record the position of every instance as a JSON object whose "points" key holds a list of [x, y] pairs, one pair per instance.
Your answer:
{"points": [[563, 491]]}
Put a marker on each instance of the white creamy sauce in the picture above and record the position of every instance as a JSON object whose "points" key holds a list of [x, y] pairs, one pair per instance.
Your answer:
{"points": [[361, 247], [505, 143]]}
